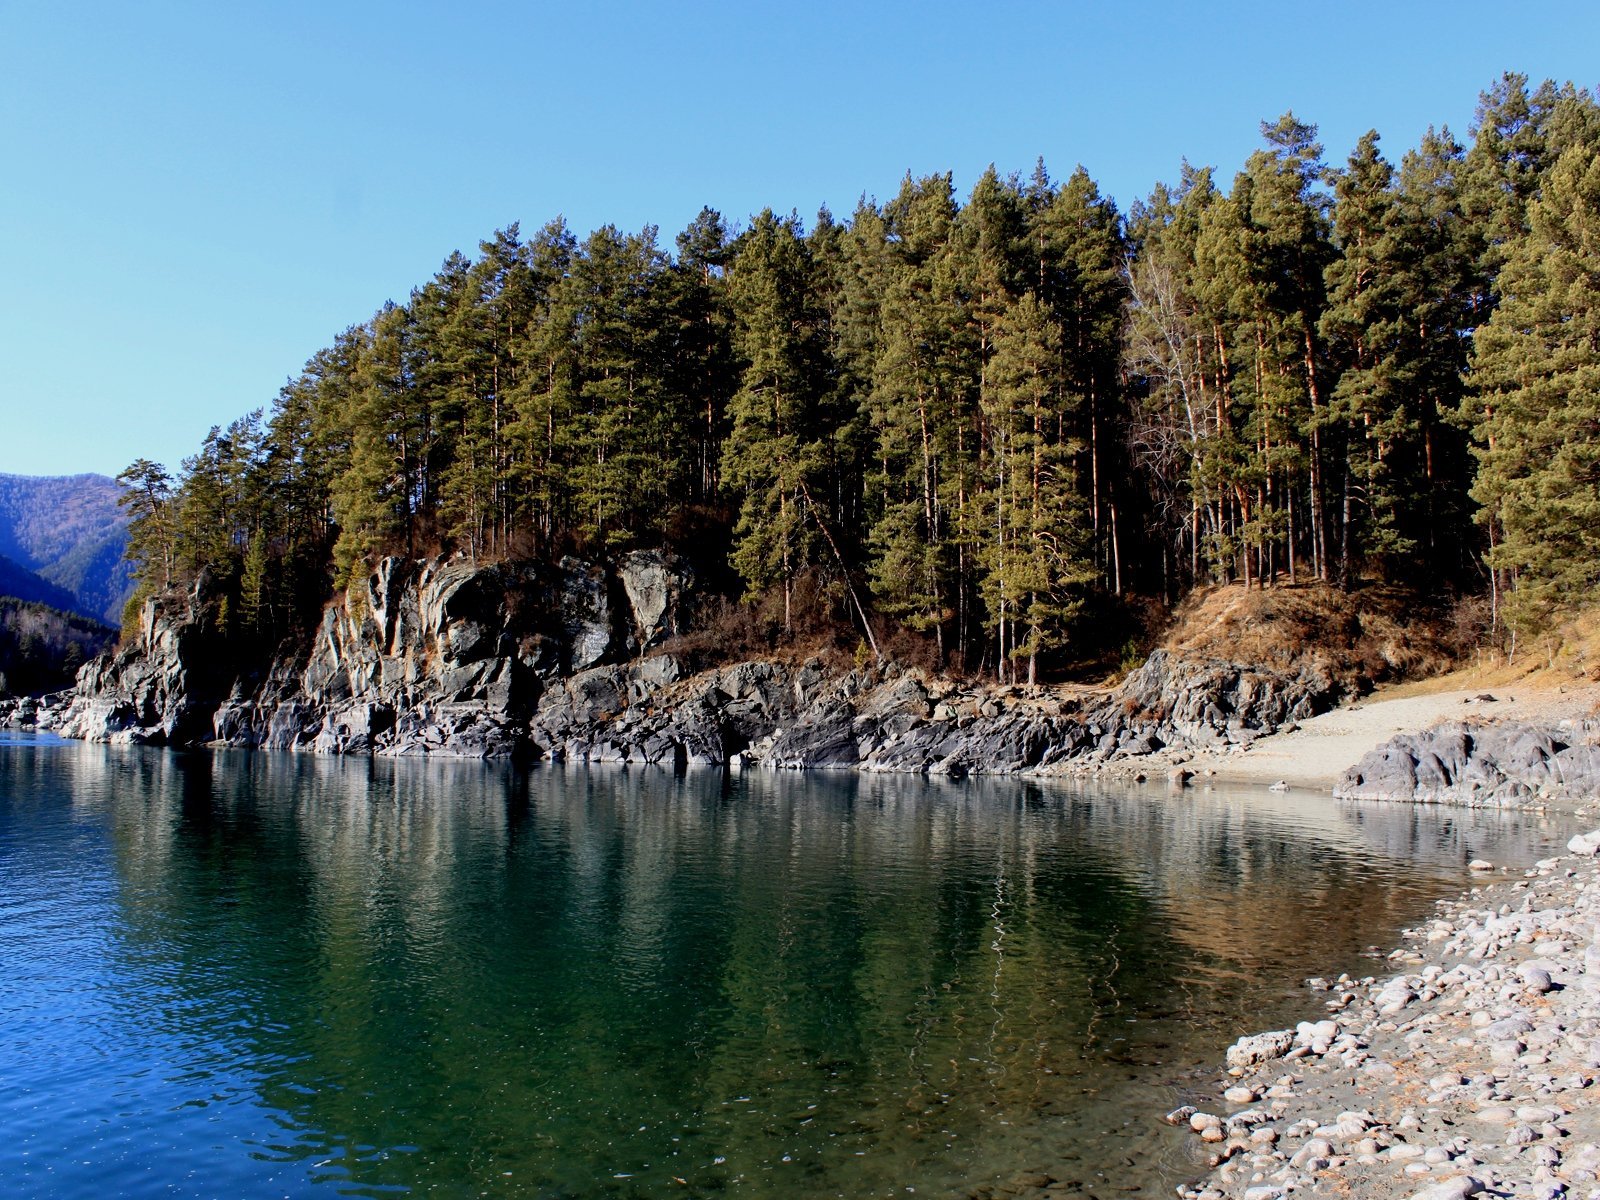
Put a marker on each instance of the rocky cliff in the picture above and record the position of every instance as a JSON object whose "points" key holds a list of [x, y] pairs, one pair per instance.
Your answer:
{"points": [[426, 657], [566, 662]]}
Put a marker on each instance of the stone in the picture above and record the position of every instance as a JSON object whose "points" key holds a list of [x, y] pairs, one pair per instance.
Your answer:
{"points": [[1261, 1047], [1479, 765], [1312, 1151], [1458, 1188], [1584, 843], [1536, 979]]}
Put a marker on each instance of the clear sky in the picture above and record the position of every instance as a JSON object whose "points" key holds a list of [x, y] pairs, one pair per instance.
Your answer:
{"points": [[194, 198]]}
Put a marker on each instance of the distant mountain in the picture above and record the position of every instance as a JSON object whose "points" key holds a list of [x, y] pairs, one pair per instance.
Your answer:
{"points": [[22, 584], [67, 531]]}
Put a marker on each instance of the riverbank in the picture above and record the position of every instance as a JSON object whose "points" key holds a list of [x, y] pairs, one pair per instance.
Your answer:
{"points": [[1314, 752], [1473, 1069]]}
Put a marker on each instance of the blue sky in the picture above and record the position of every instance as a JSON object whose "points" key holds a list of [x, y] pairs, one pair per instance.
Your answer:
{"points": [[196, 197]]}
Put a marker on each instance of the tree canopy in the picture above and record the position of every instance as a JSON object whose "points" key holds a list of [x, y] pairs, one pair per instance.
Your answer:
{"points": [[988, 422]]}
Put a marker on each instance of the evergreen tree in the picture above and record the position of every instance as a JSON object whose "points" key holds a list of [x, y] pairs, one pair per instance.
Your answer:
{"points": [[774, 444], [1036, 547], [1536, 368], [1081, 256], [545, 397], [375, 498], [1440, 292], [1179, 433], [921, 411], [1370, 327], [628, 447], [147, 498], [702, 368]]}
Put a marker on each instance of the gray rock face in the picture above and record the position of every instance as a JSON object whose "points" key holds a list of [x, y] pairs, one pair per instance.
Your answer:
{"points": [[1478, 765], [657, 587], [420, 658], [36, 712], [446, 657], [587, 614], [159, 687], [427, 657], [1212, 701]]}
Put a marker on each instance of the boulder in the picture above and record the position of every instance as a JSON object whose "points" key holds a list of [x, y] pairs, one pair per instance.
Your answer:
{"points": [[1476, 764], [1260, 1048]]}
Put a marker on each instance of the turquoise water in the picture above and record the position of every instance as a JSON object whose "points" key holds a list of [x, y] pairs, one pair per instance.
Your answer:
{"points": [[243, 974]]}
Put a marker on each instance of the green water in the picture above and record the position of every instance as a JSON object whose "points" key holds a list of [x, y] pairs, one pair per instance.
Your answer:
{"points": [[266, 975]]}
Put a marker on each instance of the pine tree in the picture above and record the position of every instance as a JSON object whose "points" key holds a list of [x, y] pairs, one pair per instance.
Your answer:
{"points": [[772, 445], [1081, 252], [544, 399], [1441, 289], [701, 372], [628, 446], [1180, 433], [921, 411], [1537, 372], [1369, 327], [1036, 545], [375, 497], [147, 498]]}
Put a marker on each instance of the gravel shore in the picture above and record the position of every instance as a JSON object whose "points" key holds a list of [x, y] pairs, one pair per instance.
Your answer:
{"points": [[1472, 1071]]}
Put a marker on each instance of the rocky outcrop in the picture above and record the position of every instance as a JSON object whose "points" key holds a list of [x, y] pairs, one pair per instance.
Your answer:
{"points": [[801, 716], [36, 712], [421, 657], [160, 686], [566, 662], [1481, 765], [1209, 701]]}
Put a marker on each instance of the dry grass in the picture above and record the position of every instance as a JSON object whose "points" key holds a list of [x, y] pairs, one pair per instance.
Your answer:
{"points": [[1372, 634], [1567, 656]]}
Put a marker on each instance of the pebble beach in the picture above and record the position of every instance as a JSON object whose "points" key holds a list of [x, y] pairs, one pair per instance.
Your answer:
{"points": [[1471, 1069]]}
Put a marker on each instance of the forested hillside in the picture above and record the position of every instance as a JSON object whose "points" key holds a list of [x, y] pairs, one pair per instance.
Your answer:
{"points": [[68, 530], [19, 583], [42, 648], [987, 423]]}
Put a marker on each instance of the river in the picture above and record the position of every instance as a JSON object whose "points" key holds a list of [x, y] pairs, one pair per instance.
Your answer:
{"points": [[252, 974]]}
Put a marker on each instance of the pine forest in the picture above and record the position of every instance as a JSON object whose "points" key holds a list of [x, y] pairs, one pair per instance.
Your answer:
{"points": [[991, 427]]}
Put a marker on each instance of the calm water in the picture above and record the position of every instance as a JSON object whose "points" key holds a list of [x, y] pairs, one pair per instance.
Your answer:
{"points": [[261, 975]]}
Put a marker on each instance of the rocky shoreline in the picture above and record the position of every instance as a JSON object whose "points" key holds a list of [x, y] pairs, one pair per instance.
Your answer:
{"points": [[588, 662], [1472, 1070], [1481, 764], [577, 662], [1468, 1072]]}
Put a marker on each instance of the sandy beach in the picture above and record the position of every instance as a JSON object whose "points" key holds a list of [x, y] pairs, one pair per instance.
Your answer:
{"points": [[1316, 753]]}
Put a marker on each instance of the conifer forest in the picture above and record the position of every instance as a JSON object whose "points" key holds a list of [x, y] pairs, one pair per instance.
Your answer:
{"points": [[988, 423]]}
